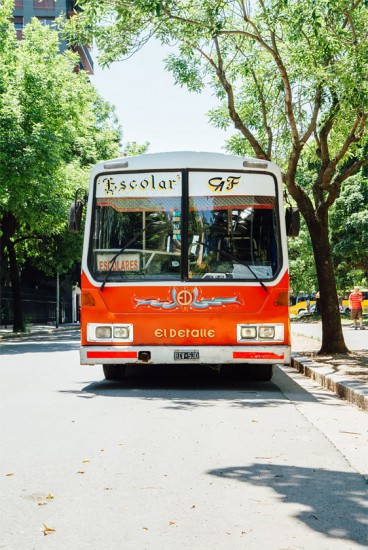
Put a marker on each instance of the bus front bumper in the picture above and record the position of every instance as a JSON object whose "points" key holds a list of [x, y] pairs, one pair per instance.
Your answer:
{"points": [[211, 355]]}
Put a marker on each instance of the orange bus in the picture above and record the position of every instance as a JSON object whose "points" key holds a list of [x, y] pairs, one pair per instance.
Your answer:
{"points": [[185, 261]]}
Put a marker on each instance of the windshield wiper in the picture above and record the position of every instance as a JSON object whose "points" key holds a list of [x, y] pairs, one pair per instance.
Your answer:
{"points": [[234, 259], [121, 251]]}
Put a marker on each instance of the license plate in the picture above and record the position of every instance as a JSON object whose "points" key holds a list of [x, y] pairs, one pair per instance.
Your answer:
{"points": [[186, 355]]}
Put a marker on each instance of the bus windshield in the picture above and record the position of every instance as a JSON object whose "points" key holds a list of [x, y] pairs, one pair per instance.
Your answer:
{"points": [[147, 235], [233, 238]]}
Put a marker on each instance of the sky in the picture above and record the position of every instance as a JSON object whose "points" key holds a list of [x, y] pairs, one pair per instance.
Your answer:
{"points": [[152, 108]]}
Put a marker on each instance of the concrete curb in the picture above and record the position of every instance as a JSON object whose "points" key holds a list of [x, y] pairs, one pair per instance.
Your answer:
{"points": [[354, 392]]}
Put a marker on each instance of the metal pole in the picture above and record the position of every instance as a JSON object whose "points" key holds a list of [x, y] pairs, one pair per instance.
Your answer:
{"points": [[57, 299]]}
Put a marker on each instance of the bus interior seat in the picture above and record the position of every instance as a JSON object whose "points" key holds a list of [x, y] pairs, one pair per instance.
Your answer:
{"points": [[242, 247]]}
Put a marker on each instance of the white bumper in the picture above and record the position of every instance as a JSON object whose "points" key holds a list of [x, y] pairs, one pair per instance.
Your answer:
{"points": [[212, 355]]}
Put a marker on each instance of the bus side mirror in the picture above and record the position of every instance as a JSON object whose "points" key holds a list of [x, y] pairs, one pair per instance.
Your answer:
{"points": [[76, 211], [292, 220], [75, 217]]}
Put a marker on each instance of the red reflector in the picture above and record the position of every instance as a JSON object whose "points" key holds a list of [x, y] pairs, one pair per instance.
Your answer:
{"points": [[256, 355], [112, 354]]}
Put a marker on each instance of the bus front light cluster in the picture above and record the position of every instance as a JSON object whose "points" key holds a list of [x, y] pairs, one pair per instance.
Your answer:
{"points": [[264, 333], [109, 333]]}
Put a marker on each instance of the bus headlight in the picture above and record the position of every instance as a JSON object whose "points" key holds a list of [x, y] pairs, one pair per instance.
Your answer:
{"points": [[248, 333], [103, 332], [267, 333], [121, 332]]}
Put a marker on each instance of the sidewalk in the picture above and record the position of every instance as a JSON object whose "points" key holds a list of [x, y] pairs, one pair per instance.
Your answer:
{"points": [[6, 333], [347, 376]]}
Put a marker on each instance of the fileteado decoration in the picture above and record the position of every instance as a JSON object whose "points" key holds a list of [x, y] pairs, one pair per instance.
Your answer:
{"points": [[186, 298]]}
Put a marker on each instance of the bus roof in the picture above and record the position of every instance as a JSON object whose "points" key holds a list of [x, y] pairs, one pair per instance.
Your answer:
{"points": [[184, 159]]}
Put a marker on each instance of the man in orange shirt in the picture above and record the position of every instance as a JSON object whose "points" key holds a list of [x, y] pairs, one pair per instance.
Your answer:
{"points": [[355, 304]]}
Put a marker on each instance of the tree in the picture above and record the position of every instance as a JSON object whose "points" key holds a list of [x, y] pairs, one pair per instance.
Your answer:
{"points": [[303, 277], [292, 78], [132, 148], [349, 233], [53, 126]]}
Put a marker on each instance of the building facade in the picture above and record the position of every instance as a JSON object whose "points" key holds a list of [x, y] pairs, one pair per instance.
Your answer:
{"points": [[47, 11]]}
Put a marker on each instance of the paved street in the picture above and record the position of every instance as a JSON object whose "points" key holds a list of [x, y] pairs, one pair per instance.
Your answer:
{"points": [[173, 459]]}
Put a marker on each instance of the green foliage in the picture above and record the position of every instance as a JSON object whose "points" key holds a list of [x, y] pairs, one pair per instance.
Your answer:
{"points": [[132, 148], [53, 126], [303, 277], [349, 232], [185, 71]]}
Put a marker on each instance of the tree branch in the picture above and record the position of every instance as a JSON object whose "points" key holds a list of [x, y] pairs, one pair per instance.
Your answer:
{"points": [[353, 169], [313, 122], [271, 50], [234, 115], [348, 16], [300, 196], [266, 126], [351, 23], [354, 136], [325, 131], [322, 209], [243, 10]]}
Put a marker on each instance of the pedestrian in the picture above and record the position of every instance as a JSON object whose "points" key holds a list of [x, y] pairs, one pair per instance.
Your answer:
{"points": [[355, 304], [318, 302]]}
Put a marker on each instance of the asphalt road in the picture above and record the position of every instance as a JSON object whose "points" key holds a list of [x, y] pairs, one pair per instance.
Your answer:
{"points": [[169, 459]]}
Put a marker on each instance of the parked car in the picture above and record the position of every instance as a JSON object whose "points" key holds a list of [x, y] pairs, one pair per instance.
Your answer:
{"points": [[301, 304]]}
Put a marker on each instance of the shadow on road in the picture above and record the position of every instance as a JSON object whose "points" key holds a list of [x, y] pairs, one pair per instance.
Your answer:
{"points": [[193, 386], [331, 502], [185, 387]]}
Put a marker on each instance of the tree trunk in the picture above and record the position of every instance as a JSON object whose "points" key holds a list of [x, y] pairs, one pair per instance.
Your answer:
{"points": [[18, 325], [8, 224], [332, 337]]}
